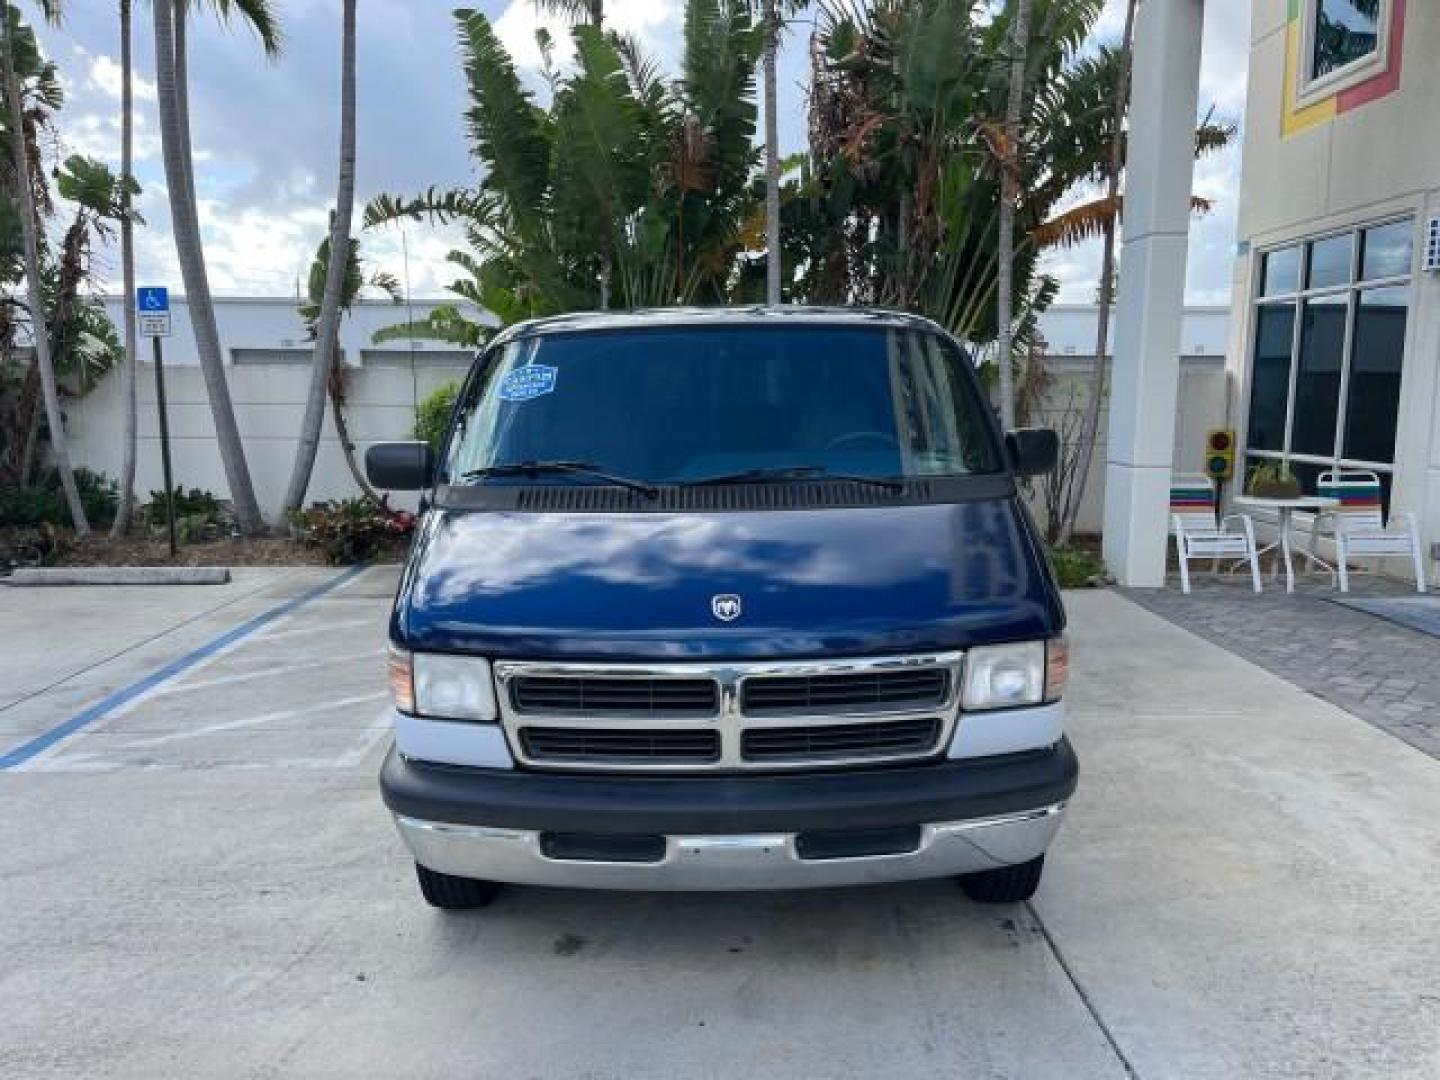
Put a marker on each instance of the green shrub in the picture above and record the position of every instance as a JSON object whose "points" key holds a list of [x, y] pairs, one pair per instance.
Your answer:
{"points": [[188, 504], [33, 506], [197, 514], [432, 419], [44, 504], [1077, 568], [99, 495], [350, 530]]}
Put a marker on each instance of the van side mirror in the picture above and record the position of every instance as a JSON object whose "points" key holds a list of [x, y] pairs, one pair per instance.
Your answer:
{"points": [[1033, 451], [400, 466]]}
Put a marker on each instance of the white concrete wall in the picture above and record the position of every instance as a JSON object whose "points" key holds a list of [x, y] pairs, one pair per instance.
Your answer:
{"points": [[1069, 331], [1202, 406], [269, 402], [272, 322]]}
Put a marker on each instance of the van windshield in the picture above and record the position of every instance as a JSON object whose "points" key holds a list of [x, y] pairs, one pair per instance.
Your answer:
{"points": [[690, 405]]}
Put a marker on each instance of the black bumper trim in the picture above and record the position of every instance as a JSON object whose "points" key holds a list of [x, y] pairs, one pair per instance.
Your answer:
{"points": [[706, 805]]}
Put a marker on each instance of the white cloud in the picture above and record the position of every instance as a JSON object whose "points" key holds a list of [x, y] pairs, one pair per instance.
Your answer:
{"points": [[97, 135], [655, 22], [416, 255], [257, 251], [105, 76]]}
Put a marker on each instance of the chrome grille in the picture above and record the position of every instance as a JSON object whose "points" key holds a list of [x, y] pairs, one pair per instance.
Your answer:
{"points": [[728, 716]]}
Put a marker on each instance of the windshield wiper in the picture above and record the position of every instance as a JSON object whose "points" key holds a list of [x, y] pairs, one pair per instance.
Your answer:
{"points": [[570, 468], [781, 473]]}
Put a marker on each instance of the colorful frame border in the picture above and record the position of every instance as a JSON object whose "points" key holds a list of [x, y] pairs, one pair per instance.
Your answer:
{"points": [[1296, 119]]}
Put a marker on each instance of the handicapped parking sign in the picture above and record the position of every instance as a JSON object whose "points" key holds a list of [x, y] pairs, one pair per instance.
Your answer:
{"points": [[152, 303]]}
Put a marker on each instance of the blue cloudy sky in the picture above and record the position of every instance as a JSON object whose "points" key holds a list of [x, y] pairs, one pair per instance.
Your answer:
{"points": [[265, 132]]}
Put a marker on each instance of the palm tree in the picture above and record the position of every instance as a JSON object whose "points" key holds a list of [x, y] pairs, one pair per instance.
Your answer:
{"points": [[353, 280], [1019, 46], [81, 341], [323, 365], [629, 188], [17, 36], [1089, 430], [172, 78], [899, 203], [771, 18], [127, 263]]}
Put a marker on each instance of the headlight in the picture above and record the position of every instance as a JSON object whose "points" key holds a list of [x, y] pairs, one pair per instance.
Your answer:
{"points": [[443, 687], [1007, 676]]}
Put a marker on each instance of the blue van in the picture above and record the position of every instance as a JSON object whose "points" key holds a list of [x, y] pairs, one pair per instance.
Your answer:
{"points": [[737, 599]]}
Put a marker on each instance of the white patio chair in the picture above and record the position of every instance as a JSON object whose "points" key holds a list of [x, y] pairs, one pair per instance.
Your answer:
{"points": [[1197, 536], [1358, 524]]}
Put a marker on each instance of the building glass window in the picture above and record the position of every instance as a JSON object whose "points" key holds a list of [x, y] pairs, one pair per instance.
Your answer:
{"points": [[1373, 399], [1330, 261], [1282, 272], [1344, 31], [1270, 383], [1388, 250], [1317, 376], [1325, 375]]}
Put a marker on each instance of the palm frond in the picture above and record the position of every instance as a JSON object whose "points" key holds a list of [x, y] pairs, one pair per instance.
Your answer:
{"points": [[1078, 224], [387, 283], [1211, 136], [1090, 220], [647, 82], [91, 184], [436, 205], [261, 16], [573, 11], [505, 126], [444, 323]]}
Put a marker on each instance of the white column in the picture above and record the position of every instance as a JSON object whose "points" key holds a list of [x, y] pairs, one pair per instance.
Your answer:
{"points": [[1146, 373]]}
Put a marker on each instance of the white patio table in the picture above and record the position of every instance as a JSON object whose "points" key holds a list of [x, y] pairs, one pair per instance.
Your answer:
{"points": [[1286, 508]]}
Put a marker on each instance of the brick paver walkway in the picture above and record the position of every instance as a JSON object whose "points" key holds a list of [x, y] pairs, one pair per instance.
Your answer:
{"points": [[1383, 673]]}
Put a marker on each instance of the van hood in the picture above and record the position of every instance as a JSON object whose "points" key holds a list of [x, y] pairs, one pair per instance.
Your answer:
{"points": [[810, 583]]}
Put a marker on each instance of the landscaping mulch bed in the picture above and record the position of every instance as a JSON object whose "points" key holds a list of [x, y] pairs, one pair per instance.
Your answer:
{"points": [[34, 547]]}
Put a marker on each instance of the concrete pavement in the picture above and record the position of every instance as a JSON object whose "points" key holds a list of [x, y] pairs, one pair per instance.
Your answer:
{"points": [[204, 884]]}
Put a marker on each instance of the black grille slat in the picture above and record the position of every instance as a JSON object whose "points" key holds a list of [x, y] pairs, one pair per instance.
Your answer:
{"points": [[550, 498], [619, 747], [921, 688], [590, 696], [831, 741]]}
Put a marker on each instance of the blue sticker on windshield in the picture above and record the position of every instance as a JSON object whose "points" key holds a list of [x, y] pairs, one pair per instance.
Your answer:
{"points": [[530, 381]]}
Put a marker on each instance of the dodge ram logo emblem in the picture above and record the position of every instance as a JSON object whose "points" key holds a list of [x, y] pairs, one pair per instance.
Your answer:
{"points": [[725, 607]]}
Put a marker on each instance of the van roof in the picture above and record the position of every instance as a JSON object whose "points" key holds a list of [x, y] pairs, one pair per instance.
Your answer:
{"points": [[655, 318]]}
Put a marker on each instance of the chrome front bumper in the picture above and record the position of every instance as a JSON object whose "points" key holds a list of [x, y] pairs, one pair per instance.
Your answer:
{"points": [[730, 862]]}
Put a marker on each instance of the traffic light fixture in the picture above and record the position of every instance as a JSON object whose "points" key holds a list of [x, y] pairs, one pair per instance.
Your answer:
{"points": [[1220, 454]]}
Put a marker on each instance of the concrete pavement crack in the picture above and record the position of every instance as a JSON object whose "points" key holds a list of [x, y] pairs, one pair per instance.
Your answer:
{"points": [[1084, 996]]}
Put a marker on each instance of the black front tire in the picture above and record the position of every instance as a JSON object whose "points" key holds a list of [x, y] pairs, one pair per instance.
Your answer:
{"points": [[454, 893], [1007, 885]]}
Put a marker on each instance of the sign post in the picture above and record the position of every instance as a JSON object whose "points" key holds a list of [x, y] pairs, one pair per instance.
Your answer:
{"points": [[152, 304]]}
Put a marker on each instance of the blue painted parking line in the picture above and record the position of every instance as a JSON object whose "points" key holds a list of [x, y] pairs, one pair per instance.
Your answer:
{"points": [[127, 694]]}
